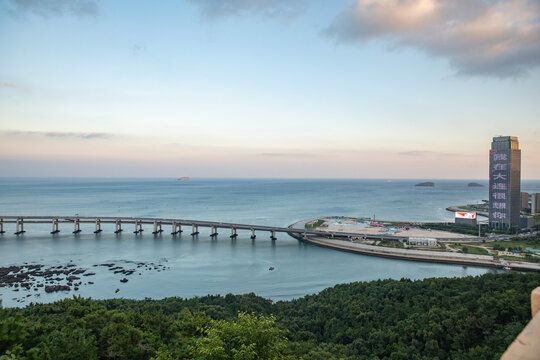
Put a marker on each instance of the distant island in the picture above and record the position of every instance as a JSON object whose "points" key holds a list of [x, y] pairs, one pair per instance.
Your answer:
{"points": [[427, 183], [473, 184]]}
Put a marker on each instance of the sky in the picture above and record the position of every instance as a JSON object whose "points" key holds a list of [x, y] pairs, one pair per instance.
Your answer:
{"points": [[267, 88]]}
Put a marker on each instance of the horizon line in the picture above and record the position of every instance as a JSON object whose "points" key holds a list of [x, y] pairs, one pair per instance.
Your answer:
{"points": [[243, 178]]}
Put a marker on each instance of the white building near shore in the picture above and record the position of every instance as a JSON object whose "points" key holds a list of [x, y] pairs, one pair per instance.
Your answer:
{"points": [[418, 241]]}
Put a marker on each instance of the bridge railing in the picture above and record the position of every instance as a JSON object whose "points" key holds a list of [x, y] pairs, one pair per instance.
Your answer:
{"points": [[527, 345]]}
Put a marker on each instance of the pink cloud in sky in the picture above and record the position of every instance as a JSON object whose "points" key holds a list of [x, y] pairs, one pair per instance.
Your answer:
{"points": [[497, 37], [8, 85]]}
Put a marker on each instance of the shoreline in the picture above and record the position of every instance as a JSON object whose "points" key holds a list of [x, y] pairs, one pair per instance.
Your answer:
{"points": [[414, 255]]}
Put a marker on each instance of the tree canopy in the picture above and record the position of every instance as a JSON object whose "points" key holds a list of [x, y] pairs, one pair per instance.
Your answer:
{"points": [[438, 318]]}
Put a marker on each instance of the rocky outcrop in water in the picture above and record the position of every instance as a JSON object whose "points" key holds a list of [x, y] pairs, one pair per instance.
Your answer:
{"points": [[60, 278]]}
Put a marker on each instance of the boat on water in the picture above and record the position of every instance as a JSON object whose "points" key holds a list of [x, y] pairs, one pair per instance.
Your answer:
{"points": [[183, 178]]}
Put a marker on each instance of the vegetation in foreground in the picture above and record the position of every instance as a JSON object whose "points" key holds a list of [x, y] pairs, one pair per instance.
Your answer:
{"points": [[439, 318]]}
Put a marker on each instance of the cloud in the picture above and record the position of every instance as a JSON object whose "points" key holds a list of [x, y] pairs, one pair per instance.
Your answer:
{"points": [[55, 134], [54, 8], [478, 37], [284, 155], [7, 85], [272, 8], [425, 153]]}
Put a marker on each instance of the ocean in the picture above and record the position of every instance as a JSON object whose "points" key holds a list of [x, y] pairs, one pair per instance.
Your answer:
{"points": [[186, 266]]}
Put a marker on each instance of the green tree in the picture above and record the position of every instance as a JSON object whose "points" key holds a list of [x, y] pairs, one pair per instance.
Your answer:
{"points": [[123, 341], [249, 337], [68, 344], [12, 333]]}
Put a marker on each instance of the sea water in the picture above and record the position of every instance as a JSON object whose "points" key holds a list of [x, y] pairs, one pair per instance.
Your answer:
{"points": [[197, 266]]}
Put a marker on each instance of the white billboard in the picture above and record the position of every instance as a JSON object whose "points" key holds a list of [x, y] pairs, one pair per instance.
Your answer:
{"points": [[465, 215]]}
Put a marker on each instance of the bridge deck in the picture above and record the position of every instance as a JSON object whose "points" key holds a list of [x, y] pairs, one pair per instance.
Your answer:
{"points": [[185, 222]]}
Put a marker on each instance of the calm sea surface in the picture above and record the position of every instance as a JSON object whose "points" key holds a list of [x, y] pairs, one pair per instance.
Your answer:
{"points": [[199, 266]]}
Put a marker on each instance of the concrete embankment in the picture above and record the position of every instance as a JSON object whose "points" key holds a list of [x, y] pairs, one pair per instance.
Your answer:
{"points": [[419, 255], [413, 255]]}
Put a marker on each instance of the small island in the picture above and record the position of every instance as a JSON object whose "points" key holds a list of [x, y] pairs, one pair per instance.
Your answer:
{"points": [[473, 184], [427, 183]]}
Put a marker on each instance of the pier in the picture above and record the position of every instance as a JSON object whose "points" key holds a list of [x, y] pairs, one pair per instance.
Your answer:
{"points": [[157, 225]]}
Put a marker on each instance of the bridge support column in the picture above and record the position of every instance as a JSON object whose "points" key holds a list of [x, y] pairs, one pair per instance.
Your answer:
{"points": [[138, 227], [174, 228], [55, 227], [98, 226], [253, 236], [157, 227], [20, 227], [273, 235], [194, 229], [233, 233], [118, 229], [214, 231], [76, 226], [2, 226], [305, 236]]}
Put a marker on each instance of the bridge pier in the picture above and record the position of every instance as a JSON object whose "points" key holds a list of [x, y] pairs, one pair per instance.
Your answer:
{"points": [[194, 229], [138, 227], [305, 236], [118, 229], [98, 226], [233, 233], [273, 235], [214, 232], [253, 236], [176, 228], [20, 227], [2, 226], [76, 226], [55, 227], [156, 230]]}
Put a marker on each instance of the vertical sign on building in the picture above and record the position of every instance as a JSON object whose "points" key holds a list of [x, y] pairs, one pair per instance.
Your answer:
{"points": [[504, 182]]}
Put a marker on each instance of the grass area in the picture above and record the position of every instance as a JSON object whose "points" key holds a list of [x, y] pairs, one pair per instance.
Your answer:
{"points": [[391, 243], [466, 230], [516, 243], [473, 250], [460, 229], [315, 224]]}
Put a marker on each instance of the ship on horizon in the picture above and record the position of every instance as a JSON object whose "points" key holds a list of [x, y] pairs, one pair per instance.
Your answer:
{"points": [[183, 178]]}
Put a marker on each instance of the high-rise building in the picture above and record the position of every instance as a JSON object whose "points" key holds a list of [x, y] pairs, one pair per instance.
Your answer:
{"points": [[525, 201], [535, 204], [504, 182]]}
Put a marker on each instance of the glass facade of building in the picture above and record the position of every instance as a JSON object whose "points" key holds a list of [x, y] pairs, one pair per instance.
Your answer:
{"points": [[504, 182]]}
